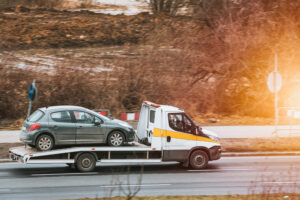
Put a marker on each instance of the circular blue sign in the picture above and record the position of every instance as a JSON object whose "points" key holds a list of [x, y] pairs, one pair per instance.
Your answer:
{"points": [[32, 92]]}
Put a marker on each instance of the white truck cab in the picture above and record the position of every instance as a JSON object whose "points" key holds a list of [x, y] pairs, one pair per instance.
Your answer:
{"points": [[172, 131], [165, 133]]}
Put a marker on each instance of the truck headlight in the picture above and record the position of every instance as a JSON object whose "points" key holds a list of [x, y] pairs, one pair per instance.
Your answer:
{"points": [[214, 138]]}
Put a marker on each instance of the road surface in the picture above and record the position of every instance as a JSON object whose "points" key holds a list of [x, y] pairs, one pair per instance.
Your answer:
{"points": [[230, 175]]}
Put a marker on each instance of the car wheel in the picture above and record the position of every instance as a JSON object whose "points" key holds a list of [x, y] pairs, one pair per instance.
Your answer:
{"points": [[116, 139], [44, 142], [86, 162], [199, 159]]}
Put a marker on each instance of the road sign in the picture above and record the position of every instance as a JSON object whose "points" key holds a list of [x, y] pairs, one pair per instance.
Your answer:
{"points": [[31, 96], [274, 81], [32, 91]]}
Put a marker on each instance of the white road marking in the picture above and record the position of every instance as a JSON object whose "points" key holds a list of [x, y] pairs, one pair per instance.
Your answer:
{"points": [[65, 174], [218, 170], [146, 185], [282, 182], [4, 190]]}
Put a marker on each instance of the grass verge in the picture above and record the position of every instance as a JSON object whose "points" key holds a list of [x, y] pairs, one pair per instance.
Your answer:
{"points": [[210, 197], [261, 144], [4, 147]]}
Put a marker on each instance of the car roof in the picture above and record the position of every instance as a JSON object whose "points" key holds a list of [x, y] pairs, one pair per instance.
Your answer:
{"points": [[63, 107], [168, 108]]}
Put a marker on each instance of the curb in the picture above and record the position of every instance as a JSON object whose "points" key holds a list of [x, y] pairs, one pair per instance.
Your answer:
{"points": [[7, 161]]}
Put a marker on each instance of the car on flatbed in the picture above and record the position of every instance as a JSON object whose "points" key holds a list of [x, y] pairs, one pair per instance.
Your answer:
{"points": [[73, 125], [165, 133]]}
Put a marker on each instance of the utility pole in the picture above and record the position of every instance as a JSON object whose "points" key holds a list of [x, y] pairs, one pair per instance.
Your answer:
{"points": [[276, 92]]}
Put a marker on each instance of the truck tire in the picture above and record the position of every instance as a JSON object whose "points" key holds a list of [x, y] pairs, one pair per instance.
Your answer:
{"points": [[198, 159], [44, 142], [86, 162], [116, 139]]}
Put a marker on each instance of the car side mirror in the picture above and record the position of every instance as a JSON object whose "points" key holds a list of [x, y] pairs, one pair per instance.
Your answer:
{"points": [[97, 123]]}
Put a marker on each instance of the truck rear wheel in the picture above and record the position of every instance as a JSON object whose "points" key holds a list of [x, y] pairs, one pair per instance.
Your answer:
{"points": [[199, 159], [86, 162]]}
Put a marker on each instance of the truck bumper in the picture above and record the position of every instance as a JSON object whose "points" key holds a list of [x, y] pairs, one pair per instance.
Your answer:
{"points": [[215, 153]]}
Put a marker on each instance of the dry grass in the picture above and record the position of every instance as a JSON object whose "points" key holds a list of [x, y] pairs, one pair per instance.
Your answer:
{"points": [[4, 147], [261, 144], [215, 119], [211, 197]]}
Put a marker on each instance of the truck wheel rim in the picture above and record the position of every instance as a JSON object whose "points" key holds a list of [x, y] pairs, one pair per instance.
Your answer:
{"points": [[86, 163], [199, 160], [45, 143], [116, 139]]}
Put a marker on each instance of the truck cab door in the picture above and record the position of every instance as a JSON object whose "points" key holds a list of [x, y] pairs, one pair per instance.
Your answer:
{"points": [[180, 133]]}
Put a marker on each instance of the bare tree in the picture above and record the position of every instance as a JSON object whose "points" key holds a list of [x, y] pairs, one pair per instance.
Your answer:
{"points": [[126, 187], [166, 6]]}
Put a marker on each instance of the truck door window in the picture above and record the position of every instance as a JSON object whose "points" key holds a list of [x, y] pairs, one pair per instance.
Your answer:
{"points": [[176, 121], [189, 126], [152, 116]]}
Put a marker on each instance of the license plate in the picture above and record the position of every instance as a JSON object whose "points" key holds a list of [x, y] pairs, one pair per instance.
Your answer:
{"points": [[14, 157]]}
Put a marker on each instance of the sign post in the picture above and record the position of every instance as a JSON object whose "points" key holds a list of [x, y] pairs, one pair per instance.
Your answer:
{"points": [[274, 84], [31, 96]]}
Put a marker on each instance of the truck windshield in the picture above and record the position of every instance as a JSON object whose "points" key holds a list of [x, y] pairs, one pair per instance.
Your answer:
{"points": [[35, 116]]}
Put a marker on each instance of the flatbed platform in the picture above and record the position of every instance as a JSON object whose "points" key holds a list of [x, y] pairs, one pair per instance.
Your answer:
{"points": [[134, 152]]}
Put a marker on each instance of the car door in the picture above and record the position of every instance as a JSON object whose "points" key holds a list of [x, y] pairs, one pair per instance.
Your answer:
{"points": [[88, 131], [63, 127]]}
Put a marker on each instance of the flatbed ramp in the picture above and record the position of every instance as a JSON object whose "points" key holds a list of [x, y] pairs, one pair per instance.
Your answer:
{"points": [[133, 152]]}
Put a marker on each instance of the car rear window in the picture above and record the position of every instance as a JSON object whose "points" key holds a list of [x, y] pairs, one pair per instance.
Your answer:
{"points": [[37, 115]]}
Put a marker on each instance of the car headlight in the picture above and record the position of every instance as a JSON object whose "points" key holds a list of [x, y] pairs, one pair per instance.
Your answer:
{"points": [[214, 138]]}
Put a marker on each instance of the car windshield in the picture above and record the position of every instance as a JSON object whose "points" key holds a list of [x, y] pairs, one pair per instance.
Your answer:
{"points": [[99, 115], [35, 116]]}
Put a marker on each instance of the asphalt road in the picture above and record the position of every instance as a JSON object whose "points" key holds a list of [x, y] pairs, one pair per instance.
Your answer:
{"points": [[230, 175]]}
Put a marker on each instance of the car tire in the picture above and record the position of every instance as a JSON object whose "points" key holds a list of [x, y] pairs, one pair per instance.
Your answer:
{"points": [[116, 139], [86, 162], [198, 159], [44, 142]]}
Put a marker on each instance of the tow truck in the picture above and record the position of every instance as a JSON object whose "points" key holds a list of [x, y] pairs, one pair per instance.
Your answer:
{"points": [[164, 133]]}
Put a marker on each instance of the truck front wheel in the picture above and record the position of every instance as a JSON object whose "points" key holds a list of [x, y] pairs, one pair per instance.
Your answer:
{"points": [[86, 162], [198, 159]]}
